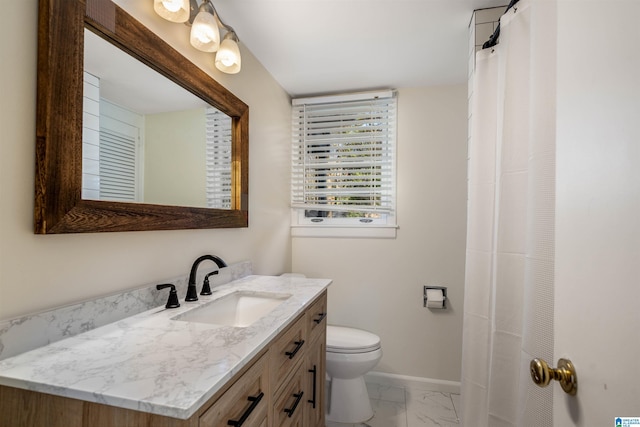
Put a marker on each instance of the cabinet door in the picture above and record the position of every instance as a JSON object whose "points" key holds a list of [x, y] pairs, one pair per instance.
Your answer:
{"points": [[288, 409], [315, 381], [245, 403]]}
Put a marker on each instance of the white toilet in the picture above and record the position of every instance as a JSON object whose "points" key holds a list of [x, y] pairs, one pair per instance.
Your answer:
{"points": [[351, 353]]}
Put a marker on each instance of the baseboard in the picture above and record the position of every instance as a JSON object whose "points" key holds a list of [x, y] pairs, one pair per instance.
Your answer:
{"points": [[394, 380]]}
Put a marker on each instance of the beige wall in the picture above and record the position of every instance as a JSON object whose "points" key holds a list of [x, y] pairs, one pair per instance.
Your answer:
{"points": [[378, 282], [175, 169], [40, 272]]}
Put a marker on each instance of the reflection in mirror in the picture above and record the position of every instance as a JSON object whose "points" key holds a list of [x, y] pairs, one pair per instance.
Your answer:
{"points": [[146, 139], [58, 203]]}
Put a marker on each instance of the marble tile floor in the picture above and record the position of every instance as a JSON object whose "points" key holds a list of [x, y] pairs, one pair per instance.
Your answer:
{"points": [[409, 407]]}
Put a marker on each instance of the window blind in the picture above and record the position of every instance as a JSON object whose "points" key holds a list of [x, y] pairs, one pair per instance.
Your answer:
{"points": [[343, 153], [117, 166], [218, 159]]}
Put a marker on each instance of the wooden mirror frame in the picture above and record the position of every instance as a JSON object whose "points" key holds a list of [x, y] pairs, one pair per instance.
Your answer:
{"points": [[59, 207]]}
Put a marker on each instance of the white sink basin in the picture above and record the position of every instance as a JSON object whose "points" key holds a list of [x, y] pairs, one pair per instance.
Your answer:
{"points": [[239, 309]]}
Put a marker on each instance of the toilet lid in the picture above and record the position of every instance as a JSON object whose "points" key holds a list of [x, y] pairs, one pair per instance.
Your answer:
{"points": [[349, 340]]}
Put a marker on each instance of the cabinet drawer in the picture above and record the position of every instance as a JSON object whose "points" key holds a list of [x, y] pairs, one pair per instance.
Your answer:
{"points": [[289, 404], [317, 317], [286, 352], [247, 399]]}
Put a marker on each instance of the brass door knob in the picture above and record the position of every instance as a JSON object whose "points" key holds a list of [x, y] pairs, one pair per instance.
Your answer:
{"points": [[542, 374]]}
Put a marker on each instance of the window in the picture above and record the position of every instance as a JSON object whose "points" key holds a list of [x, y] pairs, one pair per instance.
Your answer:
{"points": [[120, 157], [218, 135], [343, 164], [111, 148]]}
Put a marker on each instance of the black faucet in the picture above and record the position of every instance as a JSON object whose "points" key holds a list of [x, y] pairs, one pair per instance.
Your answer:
{"points": [[172, 302], [192, 293], [206, 288]]}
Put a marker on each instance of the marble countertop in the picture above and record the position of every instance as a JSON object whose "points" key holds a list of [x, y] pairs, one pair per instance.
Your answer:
{"points": [[152, 363]]}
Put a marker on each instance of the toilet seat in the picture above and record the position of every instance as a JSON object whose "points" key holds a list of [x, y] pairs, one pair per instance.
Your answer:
{"points": [[350, 341]]}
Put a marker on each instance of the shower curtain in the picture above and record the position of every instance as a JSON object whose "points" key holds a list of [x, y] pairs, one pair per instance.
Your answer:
{"points": [[509, 302]]}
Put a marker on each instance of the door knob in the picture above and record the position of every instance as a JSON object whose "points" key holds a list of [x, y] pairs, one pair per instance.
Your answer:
{"points": [[542, 374]]}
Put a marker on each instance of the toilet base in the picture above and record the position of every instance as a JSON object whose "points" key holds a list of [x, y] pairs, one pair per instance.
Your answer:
{"points": [[349, 401]]}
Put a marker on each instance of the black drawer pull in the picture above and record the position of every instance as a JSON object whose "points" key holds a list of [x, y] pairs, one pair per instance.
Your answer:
{"points": [[313, 371], [322, 316], [254, 402], [295, 350], [295, 404]]}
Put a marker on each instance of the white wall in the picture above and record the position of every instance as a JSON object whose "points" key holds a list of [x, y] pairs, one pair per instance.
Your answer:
{"points": [[378, 282], [41, 272], [597, 291]]}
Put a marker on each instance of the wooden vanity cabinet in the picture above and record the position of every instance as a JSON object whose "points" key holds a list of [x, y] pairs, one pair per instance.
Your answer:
{"points": [[288, 374], [314, 371], [298, 370], [288, 407], [286, 353], [294, 366], [245, 403], [315, 362], [316, 316]]}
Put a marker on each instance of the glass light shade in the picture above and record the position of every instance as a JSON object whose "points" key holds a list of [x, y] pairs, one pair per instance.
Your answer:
{"points": [[228, 56], [205, 35], [172, 10]]}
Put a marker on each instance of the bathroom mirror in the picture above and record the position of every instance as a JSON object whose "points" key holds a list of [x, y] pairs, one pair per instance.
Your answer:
{"points": [[59, 205], [146, 139]]}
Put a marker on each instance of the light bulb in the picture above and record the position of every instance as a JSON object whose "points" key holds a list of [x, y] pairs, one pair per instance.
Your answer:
{"points": [[228, 60], [205, 35], [172, 10], [172, 5]]}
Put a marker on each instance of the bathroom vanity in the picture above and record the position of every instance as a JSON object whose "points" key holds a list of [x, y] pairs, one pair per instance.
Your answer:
{"points": [[159, 368]]}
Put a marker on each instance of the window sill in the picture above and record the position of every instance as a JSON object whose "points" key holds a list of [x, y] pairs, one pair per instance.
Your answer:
{"points": [[375, 232]]}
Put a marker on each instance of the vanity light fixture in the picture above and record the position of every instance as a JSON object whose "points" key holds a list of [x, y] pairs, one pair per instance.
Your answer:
{"points": [[228, 56], [172, 10], [205, 30], [205, 34]]}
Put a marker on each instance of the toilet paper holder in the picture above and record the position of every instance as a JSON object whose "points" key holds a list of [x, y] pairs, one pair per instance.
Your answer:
{"points": [[440, 288]]}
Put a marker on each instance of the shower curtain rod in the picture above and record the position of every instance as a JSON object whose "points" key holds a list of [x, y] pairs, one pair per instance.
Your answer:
{"points": [[493, 40]]}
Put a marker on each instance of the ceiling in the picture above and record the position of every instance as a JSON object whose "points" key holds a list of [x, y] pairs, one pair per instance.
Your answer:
{"points": [[328, 46], [129, 83]]}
